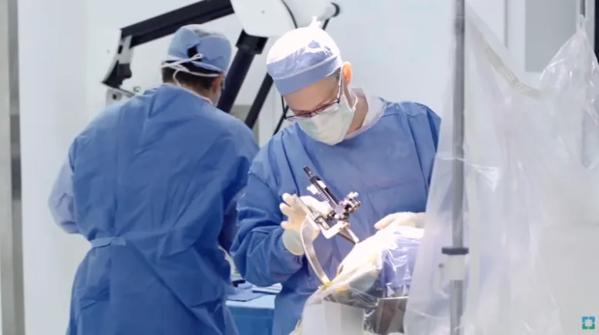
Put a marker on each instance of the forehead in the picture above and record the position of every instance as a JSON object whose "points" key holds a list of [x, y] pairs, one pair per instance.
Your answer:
{"points": [[313, 96]]}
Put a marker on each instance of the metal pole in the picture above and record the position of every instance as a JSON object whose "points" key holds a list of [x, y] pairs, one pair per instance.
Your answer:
{"points": [[582, 7], [247, 48], [457, 286], [11, 252], [596, 29], [282, 118], [458, 119], [258, 103], [239, 69]]}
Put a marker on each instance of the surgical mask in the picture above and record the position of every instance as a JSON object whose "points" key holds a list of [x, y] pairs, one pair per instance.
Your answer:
{"points": [[331, 125]]}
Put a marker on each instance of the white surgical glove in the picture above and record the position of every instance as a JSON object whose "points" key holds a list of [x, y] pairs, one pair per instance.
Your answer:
{"points": [[401, 219], [376, 266], [295, 220]]}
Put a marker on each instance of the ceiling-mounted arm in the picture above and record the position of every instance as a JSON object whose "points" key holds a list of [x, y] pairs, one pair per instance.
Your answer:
{"points": [[158, 27], [260, 19], [166, 24], [248, 47]]}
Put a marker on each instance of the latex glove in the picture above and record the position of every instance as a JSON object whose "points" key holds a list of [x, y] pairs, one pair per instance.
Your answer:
{"points": [[295, 220], [401, 219]]}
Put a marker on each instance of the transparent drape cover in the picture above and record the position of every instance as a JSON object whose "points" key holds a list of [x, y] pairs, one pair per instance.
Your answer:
{"points": [[531, 206], [369, 291]]}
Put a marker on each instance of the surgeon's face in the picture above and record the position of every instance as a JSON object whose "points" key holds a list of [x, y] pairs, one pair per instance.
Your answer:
{"points": [[319, 95]]}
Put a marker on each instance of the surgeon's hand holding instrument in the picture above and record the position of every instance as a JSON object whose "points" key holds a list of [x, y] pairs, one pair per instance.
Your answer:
{"points": [[336, 219], [296, 210]]}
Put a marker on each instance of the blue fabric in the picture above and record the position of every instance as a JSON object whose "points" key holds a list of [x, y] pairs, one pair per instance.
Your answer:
{"points": [[243, 293], [395, 275], [106, 241], [389, 165], [61, 200], [152, 181], [302, 57], [253, 317], [215, 48]]}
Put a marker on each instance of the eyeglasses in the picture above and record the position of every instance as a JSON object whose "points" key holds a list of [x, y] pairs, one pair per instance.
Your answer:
{"points": [[319, 110]]}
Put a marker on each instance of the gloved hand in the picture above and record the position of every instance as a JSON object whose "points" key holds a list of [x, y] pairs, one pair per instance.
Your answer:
{"points": [[409, 219], [357, 280], [292, 209], [377, 267]]}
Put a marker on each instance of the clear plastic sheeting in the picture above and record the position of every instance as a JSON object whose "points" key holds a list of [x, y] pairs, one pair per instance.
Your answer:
{"points": [[369, 292], [531, 212], [307, 232]]}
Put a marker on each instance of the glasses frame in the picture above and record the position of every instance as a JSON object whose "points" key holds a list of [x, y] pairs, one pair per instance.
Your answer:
{"points": [[319, 110]]}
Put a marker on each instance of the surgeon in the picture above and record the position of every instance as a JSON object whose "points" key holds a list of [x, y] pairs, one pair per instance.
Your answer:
{"points": [[152, 184], [353, 140]]}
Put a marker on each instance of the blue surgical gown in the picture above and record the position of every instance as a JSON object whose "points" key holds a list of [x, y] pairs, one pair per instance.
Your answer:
{"points": [[389, 165], [150, 183]]}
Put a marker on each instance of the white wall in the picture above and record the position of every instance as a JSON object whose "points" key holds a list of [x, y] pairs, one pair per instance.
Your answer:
{"points": [[399, 49], [560, 16], [536, 29], [52, 67]]}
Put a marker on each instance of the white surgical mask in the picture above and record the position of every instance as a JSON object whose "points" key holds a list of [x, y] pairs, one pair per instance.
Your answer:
{"points": [[331, 125]]}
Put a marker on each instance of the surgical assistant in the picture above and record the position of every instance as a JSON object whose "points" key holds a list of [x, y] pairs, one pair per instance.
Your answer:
{"points": [[353, 140], [152, 183]]}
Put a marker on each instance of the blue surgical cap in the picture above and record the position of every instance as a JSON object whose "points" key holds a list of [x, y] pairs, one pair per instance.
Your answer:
{"points": [[212, 50], [302, 57]]}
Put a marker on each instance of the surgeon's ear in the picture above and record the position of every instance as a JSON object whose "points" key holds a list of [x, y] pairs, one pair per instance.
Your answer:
{"points": [[346, 72], [216, 89], [218, 83]]}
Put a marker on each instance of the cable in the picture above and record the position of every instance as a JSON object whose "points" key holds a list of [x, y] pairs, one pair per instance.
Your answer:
{"points": [[290, 14], [335, 13], [282, 118]]}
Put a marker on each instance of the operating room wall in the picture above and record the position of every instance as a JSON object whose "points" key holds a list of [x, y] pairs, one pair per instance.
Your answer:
{"points": [[52, 46], [399, 50], [560, 15], [536, 29]]}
